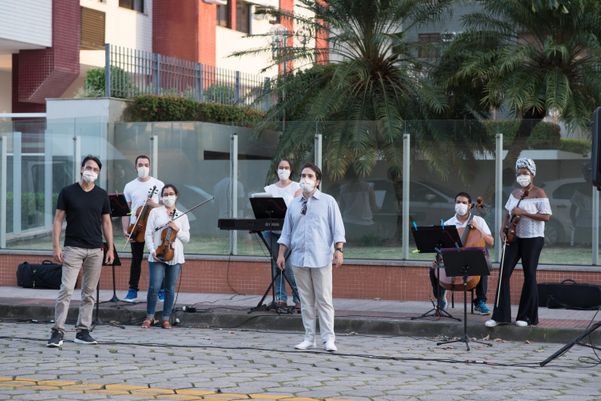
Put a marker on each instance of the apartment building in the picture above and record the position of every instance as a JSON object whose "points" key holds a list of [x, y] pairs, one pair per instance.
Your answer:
{"points": [[47, 46]]}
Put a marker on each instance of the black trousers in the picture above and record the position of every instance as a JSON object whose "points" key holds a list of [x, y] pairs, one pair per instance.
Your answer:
{"points": [[528, 250], [439, 292], [135, 269]]}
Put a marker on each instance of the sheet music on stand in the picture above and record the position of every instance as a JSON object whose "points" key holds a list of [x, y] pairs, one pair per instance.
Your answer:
{"points": [[118, 205]]}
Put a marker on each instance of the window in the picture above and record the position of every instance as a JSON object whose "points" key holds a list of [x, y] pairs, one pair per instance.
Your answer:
{"points": [[92, 29], [429, 45], [243, 15], [136, 5], [223, 17]]}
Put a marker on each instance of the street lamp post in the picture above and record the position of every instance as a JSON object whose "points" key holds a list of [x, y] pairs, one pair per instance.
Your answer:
{"points": [[279, 38]]}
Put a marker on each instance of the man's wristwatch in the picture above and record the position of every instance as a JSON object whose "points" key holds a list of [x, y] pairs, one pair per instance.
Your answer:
{"points": [[339, 250]]}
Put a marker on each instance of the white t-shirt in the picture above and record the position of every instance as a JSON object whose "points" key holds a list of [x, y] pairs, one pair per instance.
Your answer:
{"points": [[527, 227], [480, 222], [287, 192], [136, 192]]}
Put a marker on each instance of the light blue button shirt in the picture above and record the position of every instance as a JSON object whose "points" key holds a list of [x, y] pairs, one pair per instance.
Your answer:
{"points": [[311, 237]]}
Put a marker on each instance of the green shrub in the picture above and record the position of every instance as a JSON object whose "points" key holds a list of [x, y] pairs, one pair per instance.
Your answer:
{"points": [[170, 108], [579, 146], [121, 85], [220, 94], [544, 135]]}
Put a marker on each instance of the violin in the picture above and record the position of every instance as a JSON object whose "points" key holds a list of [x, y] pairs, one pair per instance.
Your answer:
{"points": [[471, 237], [165, 252], [137, 230], [513, 221]]}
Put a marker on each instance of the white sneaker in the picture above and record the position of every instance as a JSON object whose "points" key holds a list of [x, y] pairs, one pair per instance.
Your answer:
{"points": [[330, 346], [521, 323], [306, 344], [491, 323]]}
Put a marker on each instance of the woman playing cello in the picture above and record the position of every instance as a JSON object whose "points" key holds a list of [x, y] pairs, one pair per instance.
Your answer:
{"points": [[165, 219], [523, 231]]}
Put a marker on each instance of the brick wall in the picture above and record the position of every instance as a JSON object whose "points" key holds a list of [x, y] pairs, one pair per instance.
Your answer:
{"points": [[406, 283], [40, 74], [186, 31]]}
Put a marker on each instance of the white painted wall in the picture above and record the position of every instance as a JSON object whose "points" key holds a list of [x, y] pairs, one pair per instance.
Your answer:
{"points": [[103, 109], [26, 21], [124, 27]]}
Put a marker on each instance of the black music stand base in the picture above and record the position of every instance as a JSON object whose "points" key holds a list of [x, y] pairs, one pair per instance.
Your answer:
{"points": [[465, 339], [436, 313], [575, 341]]}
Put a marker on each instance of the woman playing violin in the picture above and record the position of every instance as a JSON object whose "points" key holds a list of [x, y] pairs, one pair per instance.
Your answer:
{"points": [[527, 210], [463, 206], [162, 220]]}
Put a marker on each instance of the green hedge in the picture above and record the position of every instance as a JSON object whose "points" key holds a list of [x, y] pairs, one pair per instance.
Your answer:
{"points": [[575, 145], [121, 85], [172, 108], [544, 135]]}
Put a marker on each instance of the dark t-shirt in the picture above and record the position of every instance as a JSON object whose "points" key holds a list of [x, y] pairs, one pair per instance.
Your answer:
{"points": [[84, 212]]}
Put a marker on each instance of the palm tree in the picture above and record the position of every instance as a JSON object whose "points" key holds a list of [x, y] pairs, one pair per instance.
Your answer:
{"points": [[372, 86], [533, 58]]}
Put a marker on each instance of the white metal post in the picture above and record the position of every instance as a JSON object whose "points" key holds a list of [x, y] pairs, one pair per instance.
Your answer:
{"points": [[154, 141], [3, 177], [595, 236], [48, 172], [17, 179], [498, 193], [233, 185], [76, 157], [405, 205]]}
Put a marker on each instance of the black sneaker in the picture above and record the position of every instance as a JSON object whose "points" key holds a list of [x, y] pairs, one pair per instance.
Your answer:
{"points": [[84, 337], [56, 339]]}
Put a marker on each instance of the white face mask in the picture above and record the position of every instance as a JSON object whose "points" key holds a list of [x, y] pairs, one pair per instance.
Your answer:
{"points": [[89, 176], [169, 201], [283, 174], [524, 180], [143, 172], [461, 209], [307, 185]]}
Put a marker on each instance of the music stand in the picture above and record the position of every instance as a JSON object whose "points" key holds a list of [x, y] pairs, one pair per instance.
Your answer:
{"points": [[266, 207], [431, 239], [119, 208], [465, 262], [116, 262]]}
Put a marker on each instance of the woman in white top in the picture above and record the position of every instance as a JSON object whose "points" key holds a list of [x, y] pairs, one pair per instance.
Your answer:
{"points": [[168, 219], [287, 189], [534, 210]]}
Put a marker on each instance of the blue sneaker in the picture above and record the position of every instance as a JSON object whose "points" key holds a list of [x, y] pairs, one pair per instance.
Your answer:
{"points": [[132, 296], [161, 295], [481, 308]]}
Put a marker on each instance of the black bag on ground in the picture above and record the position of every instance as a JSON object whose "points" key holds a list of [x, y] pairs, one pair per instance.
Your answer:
{"points": [[44, 275], [569, 295]]}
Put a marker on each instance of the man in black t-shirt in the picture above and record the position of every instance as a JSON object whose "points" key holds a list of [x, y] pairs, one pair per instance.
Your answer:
{"points": [[86, 208]]}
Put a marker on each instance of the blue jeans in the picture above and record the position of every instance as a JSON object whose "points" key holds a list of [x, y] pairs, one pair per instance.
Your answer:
{"points": [[279, 284], [170, 273]]}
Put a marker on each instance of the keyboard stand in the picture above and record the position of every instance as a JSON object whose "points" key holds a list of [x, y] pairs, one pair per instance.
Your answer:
{"points": [[261, 305]]}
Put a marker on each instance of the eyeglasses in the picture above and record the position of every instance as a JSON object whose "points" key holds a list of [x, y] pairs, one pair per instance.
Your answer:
{"points": [[304, 209]]}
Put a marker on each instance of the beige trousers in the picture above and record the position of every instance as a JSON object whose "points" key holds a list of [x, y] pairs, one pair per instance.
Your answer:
{"points": [[74, 259], [315, 291]]}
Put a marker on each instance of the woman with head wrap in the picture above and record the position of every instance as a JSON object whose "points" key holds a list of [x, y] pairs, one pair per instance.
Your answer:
{"points": [[533, 211]]}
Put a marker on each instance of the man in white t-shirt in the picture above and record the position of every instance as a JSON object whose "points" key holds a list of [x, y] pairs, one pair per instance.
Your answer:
{"points": [[463, 204], [136, 193]]}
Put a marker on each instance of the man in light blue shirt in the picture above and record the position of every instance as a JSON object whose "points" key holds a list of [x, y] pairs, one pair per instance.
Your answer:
{"points": [[314, 232]]}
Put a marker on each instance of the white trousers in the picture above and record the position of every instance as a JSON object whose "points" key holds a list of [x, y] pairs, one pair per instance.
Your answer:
{"points": [[315, 291]]}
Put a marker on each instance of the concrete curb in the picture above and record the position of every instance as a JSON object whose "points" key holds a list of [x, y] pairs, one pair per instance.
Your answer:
{"points": [[241, 319]]}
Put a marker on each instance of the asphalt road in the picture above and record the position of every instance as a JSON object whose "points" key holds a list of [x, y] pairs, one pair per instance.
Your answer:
{"points": [[131, 363]]}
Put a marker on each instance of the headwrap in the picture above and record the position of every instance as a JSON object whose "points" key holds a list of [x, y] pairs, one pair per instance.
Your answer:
{"points": [[527, 164]]}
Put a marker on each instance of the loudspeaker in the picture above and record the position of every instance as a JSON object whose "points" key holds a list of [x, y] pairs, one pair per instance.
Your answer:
{"points": [[596, 151]]}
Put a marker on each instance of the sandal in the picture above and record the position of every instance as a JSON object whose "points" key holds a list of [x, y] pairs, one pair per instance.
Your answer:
{"points": [[147, 323], [166, 324]]}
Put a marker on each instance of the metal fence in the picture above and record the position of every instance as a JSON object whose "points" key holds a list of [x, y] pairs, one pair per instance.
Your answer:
{"points": [[132, 72]]}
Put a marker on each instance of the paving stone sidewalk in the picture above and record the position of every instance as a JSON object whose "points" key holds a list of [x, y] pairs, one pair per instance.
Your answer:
{"points": [[190, 363]]}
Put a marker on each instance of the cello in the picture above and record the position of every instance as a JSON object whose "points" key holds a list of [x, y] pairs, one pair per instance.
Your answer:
{"points": [[137, 230], [470, 237]]}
